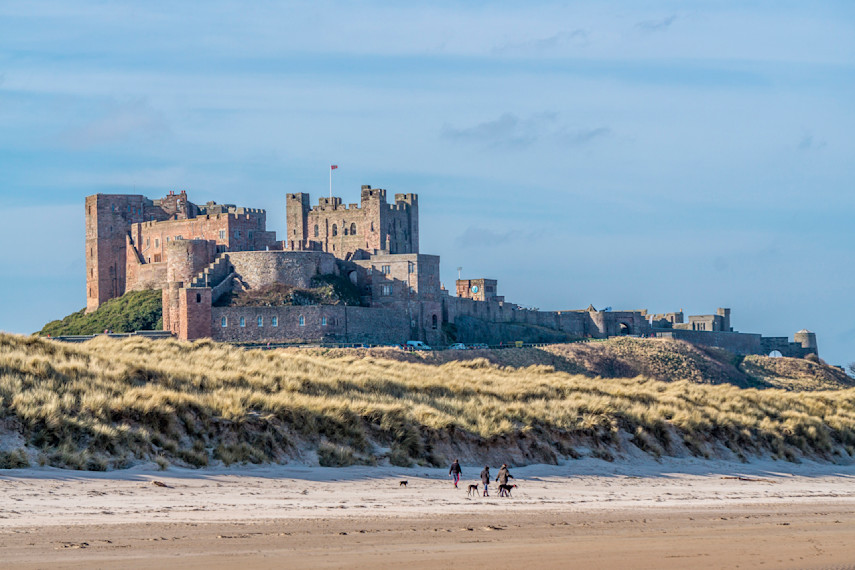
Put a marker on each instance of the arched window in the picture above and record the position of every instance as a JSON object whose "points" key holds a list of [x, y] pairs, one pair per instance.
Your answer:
{"points": [[224, 322], [344, 229], [353, 229], [433, 322], [242, 322], [334, 230], [260, 320], [302, 321], [316, 230]]}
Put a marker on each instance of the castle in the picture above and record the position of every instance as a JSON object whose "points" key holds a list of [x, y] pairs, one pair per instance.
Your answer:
{"points": [[202, 256]]}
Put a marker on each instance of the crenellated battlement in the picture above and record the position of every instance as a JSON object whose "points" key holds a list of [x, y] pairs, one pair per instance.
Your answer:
{"points": [[126, 237], [372, 226]]}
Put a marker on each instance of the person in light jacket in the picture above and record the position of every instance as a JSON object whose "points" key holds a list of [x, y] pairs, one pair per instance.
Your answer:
{"points": [[504, 475]]}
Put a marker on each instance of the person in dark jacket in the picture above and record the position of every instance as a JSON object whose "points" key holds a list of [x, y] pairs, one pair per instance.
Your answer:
{"points": [[485, 478], [455, 472], [504, 475]]}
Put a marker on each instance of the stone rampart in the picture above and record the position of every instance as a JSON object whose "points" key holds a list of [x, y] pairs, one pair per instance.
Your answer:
{"points": [[738, 343]]}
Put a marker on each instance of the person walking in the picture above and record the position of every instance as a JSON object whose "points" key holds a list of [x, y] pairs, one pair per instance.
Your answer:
{"points": [[455, 471], [503, 476], [485, 478]]}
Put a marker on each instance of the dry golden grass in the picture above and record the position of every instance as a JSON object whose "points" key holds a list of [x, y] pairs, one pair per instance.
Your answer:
{"points": [[108, 402]]}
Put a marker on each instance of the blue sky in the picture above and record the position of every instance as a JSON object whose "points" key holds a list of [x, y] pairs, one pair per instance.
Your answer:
{"points": [[658, 155]]}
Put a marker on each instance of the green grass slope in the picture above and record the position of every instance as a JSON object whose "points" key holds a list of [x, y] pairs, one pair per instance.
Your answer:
{"points": [[133, 311]]}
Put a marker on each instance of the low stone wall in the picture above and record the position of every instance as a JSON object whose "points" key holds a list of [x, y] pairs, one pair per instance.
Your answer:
{"points": [[474, 330]]}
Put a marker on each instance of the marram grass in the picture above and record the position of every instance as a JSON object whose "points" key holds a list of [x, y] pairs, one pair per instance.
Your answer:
{"points": [[108, 403]]}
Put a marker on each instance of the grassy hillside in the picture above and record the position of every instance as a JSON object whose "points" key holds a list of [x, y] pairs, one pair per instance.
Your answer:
{"points": [[659, 359], [133, 311], [107, 403]]}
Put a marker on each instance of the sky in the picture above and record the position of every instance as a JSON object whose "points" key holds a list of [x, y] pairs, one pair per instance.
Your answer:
{"points": [[661, 155]]}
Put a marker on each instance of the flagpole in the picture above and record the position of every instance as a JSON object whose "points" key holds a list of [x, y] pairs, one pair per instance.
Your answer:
{"points": [[330, 183]]}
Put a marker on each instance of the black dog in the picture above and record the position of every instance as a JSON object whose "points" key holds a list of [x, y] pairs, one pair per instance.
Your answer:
{"points": [[402, 484], [505, 490], [472, 489]]}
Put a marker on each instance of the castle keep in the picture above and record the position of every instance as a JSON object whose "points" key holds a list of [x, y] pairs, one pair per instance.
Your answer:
{"points": [[224, 276]]}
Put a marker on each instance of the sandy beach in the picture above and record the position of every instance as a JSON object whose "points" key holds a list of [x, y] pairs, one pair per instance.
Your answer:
{"points": [[641, 513]]}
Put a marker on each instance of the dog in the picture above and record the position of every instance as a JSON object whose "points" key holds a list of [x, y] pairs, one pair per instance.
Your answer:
{"points": [[402, 484], [472, 489], [505, 490]]}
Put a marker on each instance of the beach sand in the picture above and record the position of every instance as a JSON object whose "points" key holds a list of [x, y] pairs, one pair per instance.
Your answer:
{"points": [[635, 513]]}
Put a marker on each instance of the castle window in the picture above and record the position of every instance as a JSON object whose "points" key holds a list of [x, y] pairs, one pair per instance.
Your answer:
{"points": [[147, 242], [323, 321], [353, 229], [156, 242], [274, 321], [249, 234], [157, 258], [222, 234], [167, 239], [179, 237], [198, 297], [386, 269], [260, 321], [386, 290], [224, 322], [316, 230], [302, 321], [334, 230], [242, 322], [433, 322], [372, 226], [237, 233], [411, 267]]}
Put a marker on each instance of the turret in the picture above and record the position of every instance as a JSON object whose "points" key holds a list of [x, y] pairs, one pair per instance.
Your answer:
{"points": [[296, 213], [807, 339]]}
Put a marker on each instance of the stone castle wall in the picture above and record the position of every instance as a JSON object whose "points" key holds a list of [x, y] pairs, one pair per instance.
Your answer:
{"points": [[296, 268], [736, 342], [330, 323]]}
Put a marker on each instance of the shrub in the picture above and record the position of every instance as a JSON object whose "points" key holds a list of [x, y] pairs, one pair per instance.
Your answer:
{"points": [[335, 456], [15, 459], [133, 311]]}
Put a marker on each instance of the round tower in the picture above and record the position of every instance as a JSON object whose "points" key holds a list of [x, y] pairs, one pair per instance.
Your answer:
{"points": [[807, 339], [185, 259]]}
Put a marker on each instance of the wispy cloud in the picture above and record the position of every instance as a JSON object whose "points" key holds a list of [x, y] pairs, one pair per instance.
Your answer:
{"points": [[808, 142], [577, 37], [659, 25], [135, 120], [480, 237], [511, 131], [475, 236]]}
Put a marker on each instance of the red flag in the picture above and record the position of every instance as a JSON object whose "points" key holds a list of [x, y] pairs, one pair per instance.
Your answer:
{"points": [[333, 166]]}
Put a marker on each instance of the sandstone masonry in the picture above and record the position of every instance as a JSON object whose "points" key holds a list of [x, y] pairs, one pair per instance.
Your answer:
{"points": [[198, 254]]}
